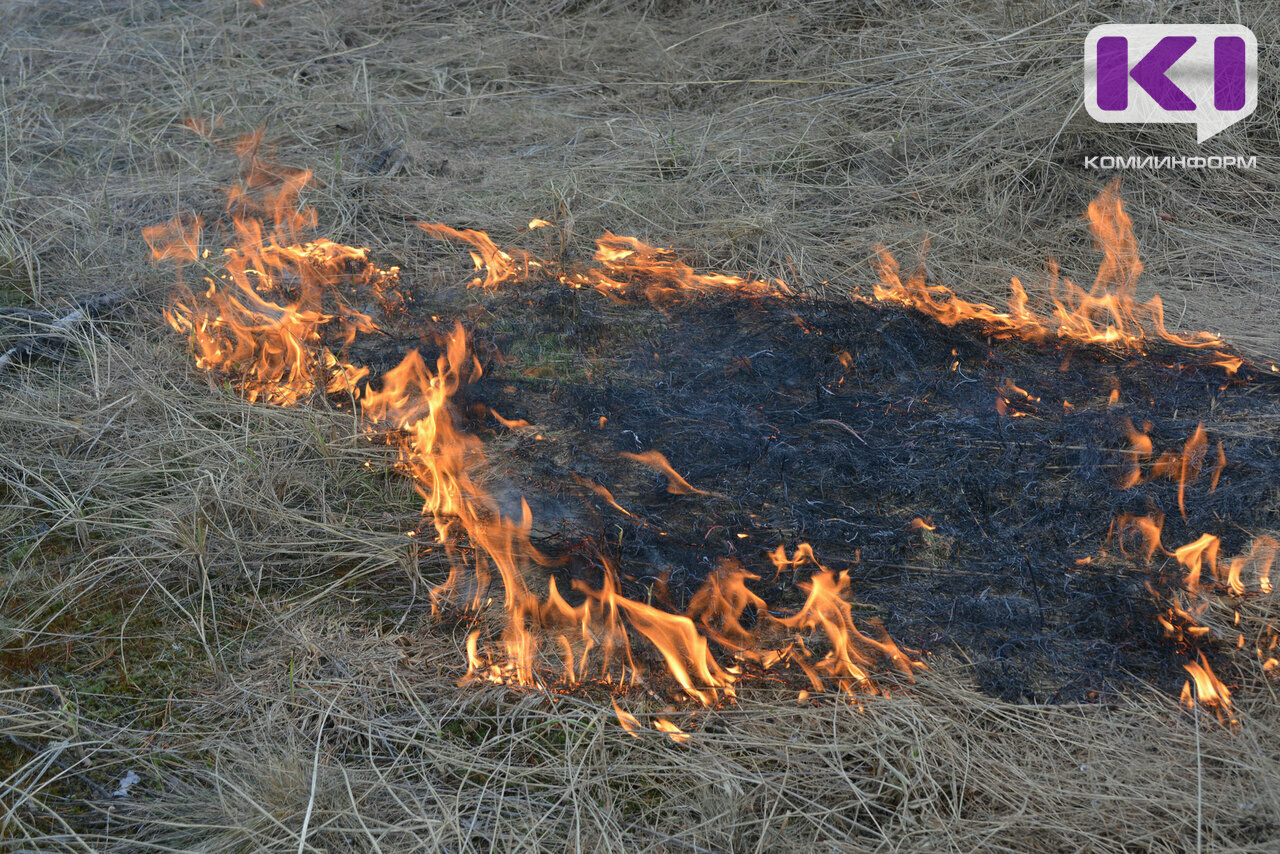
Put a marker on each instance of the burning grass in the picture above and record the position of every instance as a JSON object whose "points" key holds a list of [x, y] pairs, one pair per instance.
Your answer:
{"points": [[215, 593]]}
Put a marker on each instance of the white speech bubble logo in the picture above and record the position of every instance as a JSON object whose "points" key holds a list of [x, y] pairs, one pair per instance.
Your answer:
{"points": [[1206, 75]]}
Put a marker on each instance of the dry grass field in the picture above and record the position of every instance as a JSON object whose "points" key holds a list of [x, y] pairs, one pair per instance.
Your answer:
{"points": [[215, 602]]}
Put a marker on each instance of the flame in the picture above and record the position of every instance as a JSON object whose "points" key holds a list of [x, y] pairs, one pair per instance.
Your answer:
{"points": [[1191, 461], [278, 320], [719, 605], [829, 608], [628, 266], [628, 721], [634, 728], [1219, 464], [1194, 555], [500, 266], [1184, 468], [803, 555], [625, 267], [673, 732], [177, 240], [1107, 313], [1140, 448], [264, 320], [604, 493], [676, 484], [1127, 525], [1209, 690], [1261, 556], [1010, 395]]}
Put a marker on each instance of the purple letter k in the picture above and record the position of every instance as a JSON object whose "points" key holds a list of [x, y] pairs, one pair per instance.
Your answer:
{"points": [[1150, 74]]}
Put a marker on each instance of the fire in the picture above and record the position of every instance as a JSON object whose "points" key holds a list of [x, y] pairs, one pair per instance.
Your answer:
{"points": [[1127, 526], [1014, 401], [1108, 313], [828, 607], [627, 266], [634, 728], [684, 648], [1209, 690], [1184, 468], [1190, 463], [1183, 609], [1140, 448], [1261, 556], [676, 484], [673, 732], [1197, 554], [500, 266], [277, 320]]}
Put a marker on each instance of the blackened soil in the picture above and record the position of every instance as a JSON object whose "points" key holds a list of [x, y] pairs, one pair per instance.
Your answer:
{"points": [[837, 423]]}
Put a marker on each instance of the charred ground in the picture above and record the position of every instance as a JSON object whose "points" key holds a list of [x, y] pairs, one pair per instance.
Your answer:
{"points": [[837, 423]]}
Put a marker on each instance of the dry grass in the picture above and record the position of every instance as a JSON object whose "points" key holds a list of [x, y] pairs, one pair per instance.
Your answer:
{"points": [[218, 598]]}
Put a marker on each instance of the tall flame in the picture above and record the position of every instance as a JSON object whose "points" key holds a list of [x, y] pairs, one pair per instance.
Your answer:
{"points": [[1108, 313]]}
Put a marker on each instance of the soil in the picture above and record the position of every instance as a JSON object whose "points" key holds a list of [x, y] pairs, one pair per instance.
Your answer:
{"points": [[838, 423]]}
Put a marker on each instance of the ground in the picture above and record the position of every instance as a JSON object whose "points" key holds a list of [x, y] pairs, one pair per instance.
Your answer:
{"points": [[220, 597]]}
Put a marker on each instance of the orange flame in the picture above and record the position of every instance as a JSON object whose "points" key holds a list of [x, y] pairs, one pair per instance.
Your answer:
{"points": [[1196, 554], [1192, 461], [634, 728], [281, 348], [718, 606], [1261, 556], [673, 732], [676, 484], [1209, 690], [500, 266], [1185, 468], [629, 266], [628, 721], [267, 322], [803, 555], [1107, 313], [1147, 528], [1140, 449], [278, 320]]}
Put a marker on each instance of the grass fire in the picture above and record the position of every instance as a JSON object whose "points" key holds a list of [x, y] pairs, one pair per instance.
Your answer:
{"points": [[469, 427]]}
